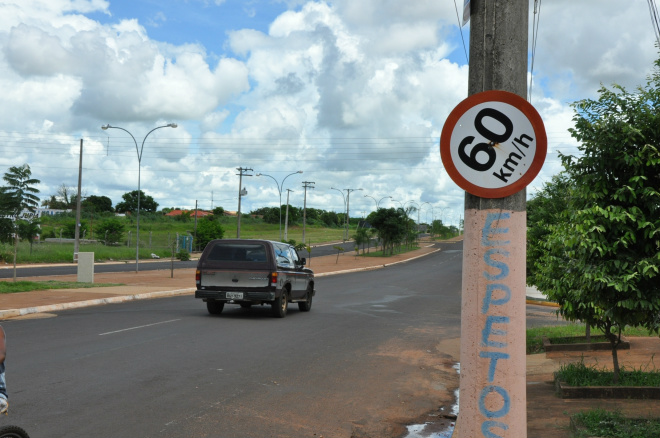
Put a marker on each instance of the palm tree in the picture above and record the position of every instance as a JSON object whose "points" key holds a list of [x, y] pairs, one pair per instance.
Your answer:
{"points": [[20, 196]]}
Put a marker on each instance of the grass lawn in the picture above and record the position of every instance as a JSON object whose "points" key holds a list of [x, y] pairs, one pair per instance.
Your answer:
{"points": [[579, 374], [535, 335], [10, 287], [606, 424]]}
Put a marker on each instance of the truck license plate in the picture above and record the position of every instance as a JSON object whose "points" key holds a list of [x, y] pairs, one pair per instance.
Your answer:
{"points": [[234, 295]]}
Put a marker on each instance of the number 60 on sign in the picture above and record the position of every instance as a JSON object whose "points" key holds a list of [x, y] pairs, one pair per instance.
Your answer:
{"points": [[493, 144]]}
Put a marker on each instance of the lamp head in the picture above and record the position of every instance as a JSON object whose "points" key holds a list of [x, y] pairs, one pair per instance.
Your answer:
{"points": [[258, 174], [172, 125], [104, 127], [300, 171]]}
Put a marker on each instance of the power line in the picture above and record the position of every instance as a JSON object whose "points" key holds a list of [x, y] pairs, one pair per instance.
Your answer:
{"points": [[655, 20], [460, 29], [535, 37]]}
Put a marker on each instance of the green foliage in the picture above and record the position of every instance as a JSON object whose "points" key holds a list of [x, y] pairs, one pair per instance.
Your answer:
{"points": [[579, 374], [183, 255], [29, 286], [69, 231], [393, 227], [208, 229], [218, 211], [6, 252], [601, 261], [545, 210], [607, 424], [111, 230], [330, 218], [361, 238], [535, 335], [19, 193], [130, 202], [6, 230], [28, 230], [98, 204]]}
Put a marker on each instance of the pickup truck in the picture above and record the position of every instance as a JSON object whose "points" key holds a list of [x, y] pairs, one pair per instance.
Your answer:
{"points": [[248, 272]]}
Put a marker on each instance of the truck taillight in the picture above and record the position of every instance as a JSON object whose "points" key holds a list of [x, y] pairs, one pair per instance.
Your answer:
{"points": [[273, 278], [198, 276]]}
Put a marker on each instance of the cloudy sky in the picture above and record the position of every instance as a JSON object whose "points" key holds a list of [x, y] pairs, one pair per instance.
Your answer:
{"points": [[352, 93]]}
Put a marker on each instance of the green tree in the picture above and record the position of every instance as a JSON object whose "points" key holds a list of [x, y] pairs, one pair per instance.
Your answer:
{"points": [[271, 215], [208, 229], [130, 202], [28, 230], [601, 262], [19, 195], [544, 210], [330, 218], [392, 226], [99, 204], [361, 238], [111, 230], [218, 211]]}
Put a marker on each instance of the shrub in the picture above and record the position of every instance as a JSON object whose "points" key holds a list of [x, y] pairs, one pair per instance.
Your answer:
{"points": [[112, 230], [183, 255]]}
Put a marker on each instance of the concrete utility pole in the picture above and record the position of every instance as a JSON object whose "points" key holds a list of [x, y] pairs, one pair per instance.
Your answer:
{"points": [[241, 192], [306, 185], [493, 399]]}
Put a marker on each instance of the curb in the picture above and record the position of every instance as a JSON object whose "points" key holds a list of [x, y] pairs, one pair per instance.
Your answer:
{"points": [[371, 268], [14, 313]]}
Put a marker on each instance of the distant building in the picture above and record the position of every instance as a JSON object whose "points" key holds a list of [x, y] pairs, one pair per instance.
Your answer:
{"points": [[192, 213]]}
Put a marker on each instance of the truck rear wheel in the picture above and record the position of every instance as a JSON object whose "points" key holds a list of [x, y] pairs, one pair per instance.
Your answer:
{"points": [[306, 306], [280, 305], [215, 307]]}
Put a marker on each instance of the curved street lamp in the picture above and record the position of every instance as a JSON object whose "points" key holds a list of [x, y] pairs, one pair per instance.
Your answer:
{"points": [[343, 197], [394, 200], [381, 200], [367, 196], [139, 156], [279, 189]]}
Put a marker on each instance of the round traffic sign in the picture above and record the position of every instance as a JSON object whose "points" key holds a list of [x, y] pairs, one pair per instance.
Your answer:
{"points": [[493, 144]]}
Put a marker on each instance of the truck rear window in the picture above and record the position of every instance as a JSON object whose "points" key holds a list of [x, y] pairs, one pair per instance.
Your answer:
{"points": [[238, 252]]}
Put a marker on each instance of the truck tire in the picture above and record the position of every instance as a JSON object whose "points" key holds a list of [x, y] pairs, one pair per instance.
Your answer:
{"points": [[13, 432], [306, 306], [215, 307], [280, 305]]}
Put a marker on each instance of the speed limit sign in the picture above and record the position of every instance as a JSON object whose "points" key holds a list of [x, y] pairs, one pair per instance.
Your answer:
{"points": [[493, 144]]}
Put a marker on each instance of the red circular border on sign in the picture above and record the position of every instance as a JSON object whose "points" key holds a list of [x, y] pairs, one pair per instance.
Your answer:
{"points": [[494, 96]]}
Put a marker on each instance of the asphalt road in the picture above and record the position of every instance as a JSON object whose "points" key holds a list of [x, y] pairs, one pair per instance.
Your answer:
{"points": [[165, 368]]}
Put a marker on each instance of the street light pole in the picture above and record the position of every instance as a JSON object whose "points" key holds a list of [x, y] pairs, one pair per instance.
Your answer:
{"points": [[348, 203], [378, 203], [139, 156], [306, 185], [241, 193], [279, 190], [343, 197]]}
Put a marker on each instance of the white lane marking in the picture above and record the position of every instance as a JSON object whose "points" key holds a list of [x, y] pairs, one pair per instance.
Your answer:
{"points": [[139, 327]]}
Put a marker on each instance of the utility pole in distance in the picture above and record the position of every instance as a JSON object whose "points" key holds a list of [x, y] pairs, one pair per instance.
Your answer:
{"points": [[493, 400], [306, 185], [241, 193]]}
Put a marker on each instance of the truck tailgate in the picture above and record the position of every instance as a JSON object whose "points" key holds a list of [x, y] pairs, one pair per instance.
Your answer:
{"points": [[234, 279]]}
